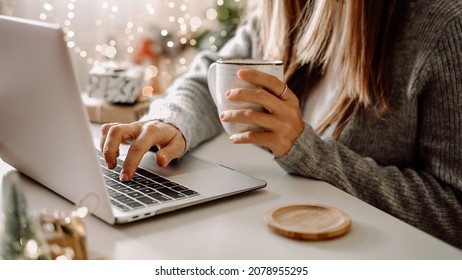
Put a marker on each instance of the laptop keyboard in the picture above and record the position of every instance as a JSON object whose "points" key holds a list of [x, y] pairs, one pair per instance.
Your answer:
{"points": [[144, 189]]}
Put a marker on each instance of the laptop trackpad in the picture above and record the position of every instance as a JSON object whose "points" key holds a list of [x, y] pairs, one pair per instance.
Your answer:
{"points": [[186, 164]]}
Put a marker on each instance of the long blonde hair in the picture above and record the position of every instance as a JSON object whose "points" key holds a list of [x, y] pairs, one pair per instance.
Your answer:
{"points": [[349, 35]]}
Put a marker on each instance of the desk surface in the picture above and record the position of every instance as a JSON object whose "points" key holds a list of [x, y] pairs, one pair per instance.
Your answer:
{"points": [[233, 228]]}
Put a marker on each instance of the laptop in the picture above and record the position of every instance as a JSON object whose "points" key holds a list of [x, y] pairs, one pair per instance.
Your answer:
{"points": [[46, 135]]}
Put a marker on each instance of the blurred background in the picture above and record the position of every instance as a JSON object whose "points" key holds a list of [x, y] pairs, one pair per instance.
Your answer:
{"points": [[161, 35]]}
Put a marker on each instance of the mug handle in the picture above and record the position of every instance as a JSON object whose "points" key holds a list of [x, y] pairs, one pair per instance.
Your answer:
{"points": [[212, 80]]}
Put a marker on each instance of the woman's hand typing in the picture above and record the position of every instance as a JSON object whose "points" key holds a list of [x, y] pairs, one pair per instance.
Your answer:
{"points": [[141, 136]]}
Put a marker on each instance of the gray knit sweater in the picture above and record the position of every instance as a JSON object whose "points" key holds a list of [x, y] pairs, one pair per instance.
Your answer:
{"points": [[410, 163]]}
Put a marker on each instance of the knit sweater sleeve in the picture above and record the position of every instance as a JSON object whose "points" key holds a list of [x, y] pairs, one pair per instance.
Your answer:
{"points": [[427, 195], [188, 104]]}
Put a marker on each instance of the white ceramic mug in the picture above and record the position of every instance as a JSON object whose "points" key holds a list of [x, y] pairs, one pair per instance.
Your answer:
{"points": [[222, 76]]}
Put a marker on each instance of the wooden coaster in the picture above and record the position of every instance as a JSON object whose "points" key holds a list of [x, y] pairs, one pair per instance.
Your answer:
{"points": [[308, 221]]}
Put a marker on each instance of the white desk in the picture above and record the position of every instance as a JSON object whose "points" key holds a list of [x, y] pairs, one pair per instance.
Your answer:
{"points": [[233, 228]]}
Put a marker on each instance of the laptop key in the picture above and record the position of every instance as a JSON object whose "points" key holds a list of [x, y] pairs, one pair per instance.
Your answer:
{"points": [[130, 183], [170, 193], [135, 195], [189, 192], [146, 190], [115, 195], [112, 175], [134, 204], [159, 196], [125, 199], [111, 183], [146, 182], [146, 200], [124, 189], [179, 188], [120, 206]]}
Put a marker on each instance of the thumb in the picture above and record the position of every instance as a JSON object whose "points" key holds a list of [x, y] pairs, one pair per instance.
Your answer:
{"points": [[170, 152], [162, 159]]}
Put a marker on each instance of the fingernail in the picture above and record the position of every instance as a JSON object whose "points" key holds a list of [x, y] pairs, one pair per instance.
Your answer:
{"points": [[123, 177], [241, 72], [110, 165], [232, 138], [228, 93], [163, 161]]}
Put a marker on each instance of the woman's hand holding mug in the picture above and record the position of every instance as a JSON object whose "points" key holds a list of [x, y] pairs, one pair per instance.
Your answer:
{"points": [[255, 105]]}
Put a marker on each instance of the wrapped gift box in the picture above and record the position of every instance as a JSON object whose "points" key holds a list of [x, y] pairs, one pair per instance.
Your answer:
{"points": [[116, 83], [101, 111]]}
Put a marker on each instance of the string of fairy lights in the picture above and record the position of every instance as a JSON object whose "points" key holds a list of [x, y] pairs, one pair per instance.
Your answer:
{"points": [[131, 31], [122, 30]]}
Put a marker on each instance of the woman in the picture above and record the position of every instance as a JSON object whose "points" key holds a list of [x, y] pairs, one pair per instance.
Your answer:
{"points": [[374, 105]]}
